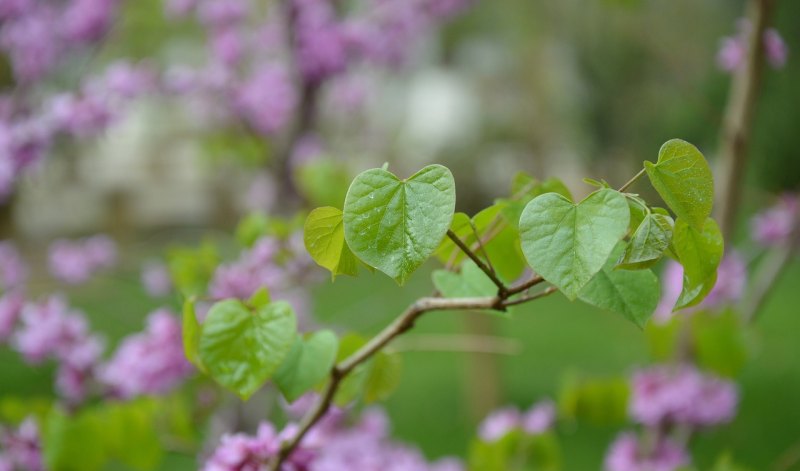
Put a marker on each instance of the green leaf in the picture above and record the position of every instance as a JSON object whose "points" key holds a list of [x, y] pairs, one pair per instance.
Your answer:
{"points": [[260, 298], [74, 442], [700, 252], [516, 451], [251, 228], [683, 179], [324, 239], [395, 225], [191, 269], [599, 401], [191, 333], [471, 281], [323, 181], [568, 244], [448, 250], [719, 341], [648, 243], [634, 294], [242, 348], [308, 364], [129, 433], [383, 377]]}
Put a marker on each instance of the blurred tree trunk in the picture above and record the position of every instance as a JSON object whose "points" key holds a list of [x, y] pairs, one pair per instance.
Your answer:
{"points": [[483, 379], [7, 218]]}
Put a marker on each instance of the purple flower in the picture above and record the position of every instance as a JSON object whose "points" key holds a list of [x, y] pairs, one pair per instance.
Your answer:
{"points": [[775, 225], [32, 43], [11, 304], [243, 452], [628, 454], [22, 447], [499, 423], [49, 328], [663, 395], [150, 362], [156, 279], [320, 47], [82, 116], [179, 8], [267, 99], [731, 53], [74, 262], [13, 270], [228, 45], [776, 50], [539, 418], [88, 20], [216, 14]]}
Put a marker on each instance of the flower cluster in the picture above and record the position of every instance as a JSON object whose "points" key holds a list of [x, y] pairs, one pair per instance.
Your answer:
{"points": [[663, 397], [733, 49], [536, 420], [13, 271], [729, 287], [331, 446], [150, 362], [778, 224], [21, 448], [156, 279], [75, 261]]}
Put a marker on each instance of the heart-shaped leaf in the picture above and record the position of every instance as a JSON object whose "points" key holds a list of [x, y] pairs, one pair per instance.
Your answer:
{"points": [[634, 294], [324, 239], [308, 363], [395, 225], [568, 244], [683, 179], [700, 252], [241, 348], [648, 243]]}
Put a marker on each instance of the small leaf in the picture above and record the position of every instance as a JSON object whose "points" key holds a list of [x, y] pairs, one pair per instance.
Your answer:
{"points": [[648, 243], [383, 377], [395, 225], [324, 240], [259, 299], [73, 442], [308, 364], [568, 244], [241, 348], [633, 294], [683, 179], [700, 252], [191, 332]]}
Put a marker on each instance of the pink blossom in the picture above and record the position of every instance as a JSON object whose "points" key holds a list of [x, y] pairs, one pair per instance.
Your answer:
{"points": [[81, 115], [13, 270], [499, 423], [228, 46], [320, 46], [664, 394], [776, 50], [628, 454], [150, 362], [732, 53], [88, 20], [242, 452], [50, 328], [267, 99], [156, 279], [32, 43], [216, 14], [74, 262], [179, 8], [775, 225], [539, 418], [22, 447], [11, 304]]}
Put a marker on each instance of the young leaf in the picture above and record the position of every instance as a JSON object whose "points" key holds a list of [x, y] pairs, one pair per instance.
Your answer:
{"points": [[191, 333], [242, 348], [648, 243], [683, 179], [395, 225], [309, 363], [634, 294], [73, 442], [324, 240], [568, 244], [383, 377], [700, 252]]}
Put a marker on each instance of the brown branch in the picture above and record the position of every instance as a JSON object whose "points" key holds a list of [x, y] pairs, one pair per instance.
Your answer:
{"points": [[501, 287], [550, 290], [738, 119]]}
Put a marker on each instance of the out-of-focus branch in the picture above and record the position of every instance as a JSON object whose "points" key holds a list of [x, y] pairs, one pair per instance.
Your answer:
{"points": [[738, 118]]}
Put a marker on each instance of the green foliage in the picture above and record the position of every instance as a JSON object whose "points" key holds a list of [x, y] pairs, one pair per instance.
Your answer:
{"points": [[470, 281], [683, 179], [242, 348], [516, 451], [251, 228], [191, 333], [700, 252], [648, 243], [323, 182], [374, 380], [395, 225], [309, 362], [324, 240], [568, 244], [599, 401], [192, 269], [634, 294]]}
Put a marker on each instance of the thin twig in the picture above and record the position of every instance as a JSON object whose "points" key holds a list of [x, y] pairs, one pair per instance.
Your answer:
{"points": [[525, 285], [525, 299], [501, 287], [631, 181], [770, 270], [481, 247]]}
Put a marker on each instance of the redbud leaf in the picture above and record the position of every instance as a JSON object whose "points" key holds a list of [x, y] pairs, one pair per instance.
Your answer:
{"points": [[324, 240], [241, 348], [568, 243], [383, 376], [309, 363], [648, 243], [683, 179], [395, 225], [191, 333], [73, 442], [700, 252], [633, 294]]}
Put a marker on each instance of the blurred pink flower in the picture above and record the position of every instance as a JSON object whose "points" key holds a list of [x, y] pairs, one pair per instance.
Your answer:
{"points": [[22, 447], [539, 418], [776, 49], [499, 423], [775, 225], [628, 454], [13, 270], [156, 279]]}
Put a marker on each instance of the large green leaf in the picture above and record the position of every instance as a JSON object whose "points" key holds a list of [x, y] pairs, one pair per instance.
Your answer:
{"points": [[241, 348], [395, 225], [309, 362], [568, 244], [74, 442], [683, 179], [648, 243], [130, 435], [700, 252], [634, 294], [324, 240]]}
